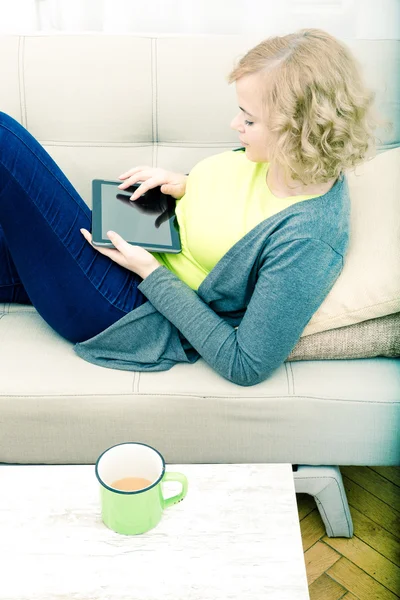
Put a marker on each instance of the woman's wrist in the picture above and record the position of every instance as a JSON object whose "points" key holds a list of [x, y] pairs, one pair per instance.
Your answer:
{"points": [[146, 270]]}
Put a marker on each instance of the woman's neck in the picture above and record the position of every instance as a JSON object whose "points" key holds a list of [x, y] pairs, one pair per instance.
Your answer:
{"points": [[276, 185]]}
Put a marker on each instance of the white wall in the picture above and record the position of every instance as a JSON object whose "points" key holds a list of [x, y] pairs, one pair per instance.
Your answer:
{"points": [[352, 19]]}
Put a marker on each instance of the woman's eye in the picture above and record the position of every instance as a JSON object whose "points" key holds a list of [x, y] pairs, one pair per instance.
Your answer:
{"points": [[248, 122]]}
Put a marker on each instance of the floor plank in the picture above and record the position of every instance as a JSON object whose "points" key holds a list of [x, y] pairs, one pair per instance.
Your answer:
{"points": [[305, 505], [391, 473], [375, 536], [325, 588], [374, 483], [367, 565], [312, 529], [318, 559], [367, 559], [372, 507], [359, 583]]}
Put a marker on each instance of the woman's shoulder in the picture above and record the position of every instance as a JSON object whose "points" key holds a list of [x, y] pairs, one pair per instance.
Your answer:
{"points": [[220, 161], [326, 218]]}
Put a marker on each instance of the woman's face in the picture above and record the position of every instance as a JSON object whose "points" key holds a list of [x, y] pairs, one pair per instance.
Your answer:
{"points": [[250, 121]]}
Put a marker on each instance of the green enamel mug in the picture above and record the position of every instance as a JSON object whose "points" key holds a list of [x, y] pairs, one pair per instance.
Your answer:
{"points": [[131, 475]]}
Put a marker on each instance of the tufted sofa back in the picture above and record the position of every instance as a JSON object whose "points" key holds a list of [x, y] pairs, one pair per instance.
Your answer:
{"points": [[101, 103]]}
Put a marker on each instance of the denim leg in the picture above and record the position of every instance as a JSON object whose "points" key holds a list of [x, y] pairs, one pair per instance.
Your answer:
{"points": [[78, 291], [11, 286]]}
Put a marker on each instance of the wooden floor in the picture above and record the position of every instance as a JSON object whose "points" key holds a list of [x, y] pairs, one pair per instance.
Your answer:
{"points": [[367, 566]]}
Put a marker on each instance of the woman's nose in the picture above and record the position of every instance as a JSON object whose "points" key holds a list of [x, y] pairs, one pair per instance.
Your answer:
{"points": [[235, 123]]}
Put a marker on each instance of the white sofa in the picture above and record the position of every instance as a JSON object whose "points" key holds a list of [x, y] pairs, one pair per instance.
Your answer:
{"points": [[102, 103]]}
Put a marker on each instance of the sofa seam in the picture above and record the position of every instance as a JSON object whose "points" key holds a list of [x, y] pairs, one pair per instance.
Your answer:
{"points": [[133, 381], [102, 144], [153, 37], [75, 395], [290, 378], [29, 308], [94, 143], [320, 507], [20, 41], [155, 83], [154, 88], [138, 382], [21, 80]]}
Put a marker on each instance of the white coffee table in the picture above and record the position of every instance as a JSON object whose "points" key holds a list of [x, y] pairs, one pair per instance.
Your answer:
{"points": [[235, 536]]}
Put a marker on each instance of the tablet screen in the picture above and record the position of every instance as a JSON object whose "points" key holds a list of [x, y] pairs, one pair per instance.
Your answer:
{"points": [[149, 221]]}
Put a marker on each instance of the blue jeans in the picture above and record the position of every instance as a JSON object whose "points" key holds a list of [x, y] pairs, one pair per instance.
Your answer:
{"points": [[44, 259]]}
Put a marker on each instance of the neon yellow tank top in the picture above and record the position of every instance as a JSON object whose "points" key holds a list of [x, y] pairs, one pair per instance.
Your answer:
{"points": [[226, 196]]}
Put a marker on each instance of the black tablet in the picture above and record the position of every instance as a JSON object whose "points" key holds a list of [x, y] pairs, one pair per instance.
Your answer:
{"points": [[149, 221]]}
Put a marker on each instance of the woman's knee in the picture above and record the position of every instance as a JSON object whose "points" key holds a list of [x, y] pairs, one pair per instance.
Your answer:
{"points": [[9, 121]]}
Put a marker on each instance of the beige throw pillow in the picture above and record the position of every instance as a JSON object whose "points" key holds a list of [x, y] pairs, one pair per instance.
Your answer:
{"points": [[369, 285]]}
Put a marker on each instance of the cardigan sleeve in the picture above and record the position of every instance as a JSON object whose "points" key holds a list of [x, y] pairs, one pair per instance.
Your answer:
{"points": [[293, 281]]}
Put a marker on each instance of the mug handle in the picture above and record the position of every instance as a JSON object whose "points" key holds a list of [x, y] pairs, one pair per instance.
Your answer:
{"points": [[175, 477]]}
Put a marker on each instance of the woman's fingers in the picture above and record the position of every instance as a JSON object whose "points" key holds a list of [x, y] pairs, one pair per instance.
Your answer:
{"points": [[135, 178], [114, 254], [133, 171], [142, 189], [146, 179]]}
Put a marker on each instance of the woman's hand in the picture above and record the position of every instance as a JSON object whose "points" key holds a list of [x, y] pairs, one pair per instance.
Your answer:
{"points": [[134, 258], [173, 184]]}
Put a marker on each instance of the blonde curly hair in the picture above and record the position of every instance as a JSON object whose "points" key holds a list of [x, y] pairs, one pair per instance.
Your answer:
{"points": [[318, 110]]}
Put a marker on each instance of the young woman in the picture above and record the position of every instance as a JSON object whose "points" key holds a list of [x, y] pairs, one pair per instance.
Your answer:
{"points": [[264, 229]]}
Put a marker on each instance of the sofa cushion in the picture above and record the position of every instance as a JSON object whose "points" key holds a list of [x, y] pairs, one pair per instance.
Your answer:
{"points": [[57, 408]]}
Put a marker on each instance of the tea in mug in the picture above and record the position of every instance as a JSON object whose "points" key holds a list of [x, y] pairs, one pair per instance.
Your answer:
{"points": [[131, 484]]}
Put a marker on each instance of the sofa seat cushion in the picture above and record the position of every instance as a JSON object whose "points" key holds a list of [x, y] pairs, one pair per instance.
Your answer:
{"points": [[57, 408]]}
